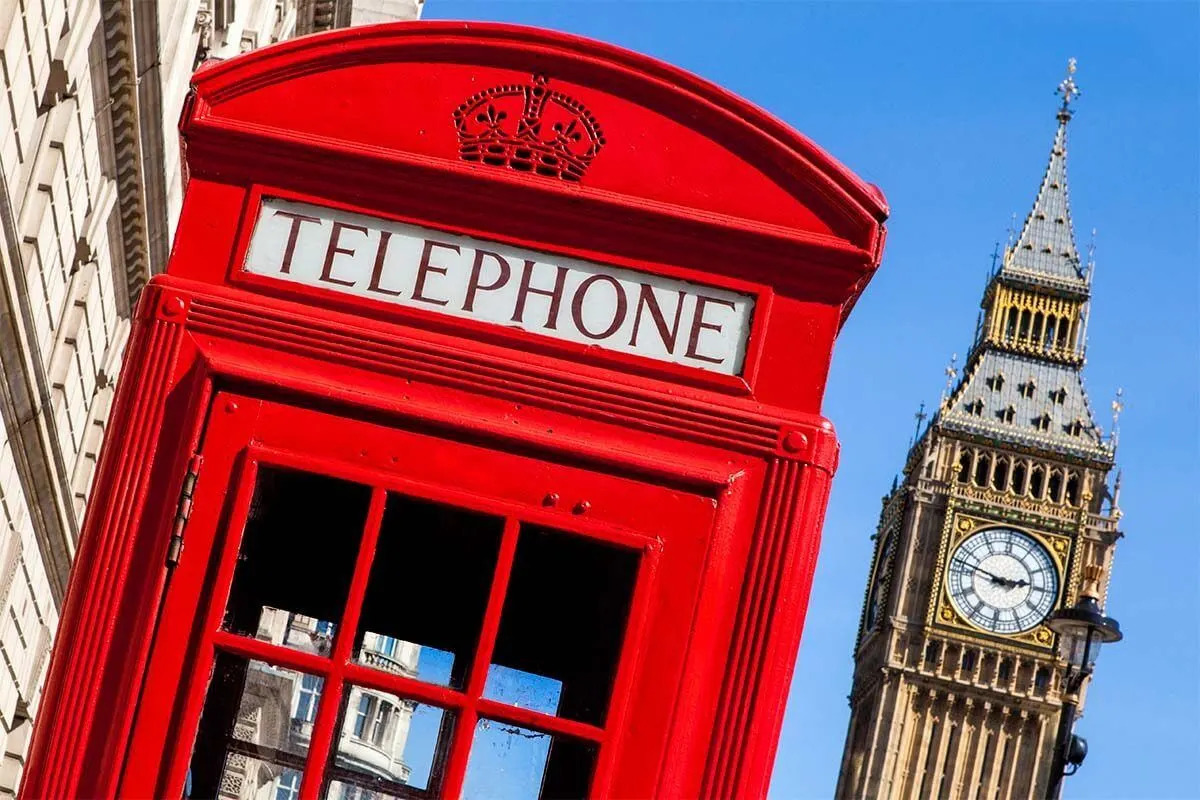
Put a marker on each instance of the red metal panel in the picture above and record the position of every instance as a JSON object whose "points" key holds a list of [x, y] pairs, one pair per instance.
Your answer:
{"points": [[719, 480]]}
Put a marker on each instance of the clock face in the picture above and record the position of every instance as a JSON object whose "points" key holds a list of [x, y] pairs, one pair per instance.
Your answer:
{"points": [[877, 597], [1002, 580]]}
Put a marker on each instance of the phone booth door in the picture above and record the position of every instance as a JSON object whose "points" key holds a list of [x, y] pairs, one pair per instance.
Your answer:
{"points": [[367, 611]]}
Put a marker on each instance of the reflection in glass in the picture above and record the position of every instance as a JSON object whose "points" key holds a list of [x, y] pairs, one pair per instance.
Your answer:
{"points": [[428, 590], [254, 730], [296, 558], [509, 762], [388, 744], [523, 689], [350, 791], [248, 778], [563, 622]]}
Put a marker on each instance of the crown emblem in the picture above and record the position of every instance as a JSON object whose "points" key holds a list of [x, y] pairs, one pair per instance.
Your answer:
{"points": [[528, 128]]}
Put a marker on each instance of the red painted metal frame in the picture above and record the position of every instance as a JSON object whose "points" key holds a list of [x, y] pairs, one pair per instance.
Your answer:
{"points": [[729, 475], [338, 669]]}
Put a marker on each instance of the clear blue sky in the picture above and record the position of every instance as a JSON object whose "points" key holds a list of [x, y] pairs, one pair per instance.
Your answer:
{"points": [[950, 109]]}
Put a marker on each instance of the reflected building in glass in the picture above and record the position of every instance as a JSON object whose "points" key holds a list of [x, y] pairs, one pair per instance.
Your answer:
{"points": [[279, 707]]}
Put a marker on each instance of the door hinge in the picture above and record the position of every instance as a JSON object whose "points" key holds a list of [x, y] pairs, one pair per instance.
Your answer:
{"points": [[183, 511]]}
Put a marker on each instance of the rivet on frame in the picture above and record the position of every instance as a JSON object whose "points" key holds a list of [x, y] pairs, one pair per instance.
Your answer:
{"points": [[231, 407], [550, 500], [581, 507], [795, 441], [172, 306]]}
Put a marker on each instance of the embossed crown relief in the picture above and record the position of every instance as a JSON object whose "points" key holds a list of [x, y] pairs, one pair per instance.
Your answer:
{"points": [[528, 128]]}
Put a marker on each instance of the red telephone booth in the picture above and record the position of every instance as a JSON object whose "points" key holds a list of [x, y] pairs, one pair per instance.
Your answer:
{"points": [[470, 446]]}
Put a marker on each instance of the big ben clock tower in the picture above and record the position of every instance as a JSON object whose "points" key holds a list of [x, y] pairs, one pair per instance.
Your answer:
{"points": [[1004, 514]]}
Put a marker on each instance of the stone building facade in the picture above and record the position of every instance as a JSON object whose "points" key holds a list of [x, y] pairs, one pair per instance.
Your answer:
{"points": [[90, 188], [1007, 510]]}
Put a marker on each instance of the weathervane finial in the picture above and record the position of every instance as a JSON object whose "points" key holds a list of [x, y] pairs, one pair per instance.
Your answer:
{"points": [[1068, 89]]}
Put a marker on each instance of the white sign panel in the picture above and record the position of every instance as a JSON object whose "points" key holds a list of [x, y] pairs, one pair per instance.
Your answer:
{"points": [[616, 309]]}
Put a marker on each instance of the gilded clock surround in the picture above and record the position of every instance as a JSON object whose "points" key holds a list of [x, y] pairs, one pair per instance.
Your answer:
{"points": [[942, 613]]}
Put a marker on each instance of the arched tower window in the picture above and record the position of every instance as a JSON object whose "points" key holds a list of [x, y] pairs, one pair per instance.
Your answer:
{"points": [[964, 467], [1010, 324], [1056, 485], [931, 653], [1041, 681], [1048, 342], [1037, 482], [1036, 333], [1062, 334], [1018, 479], [968, 660], [1005, 670], [1000, 475], [1024, 333], [1073, 489], [983, 470]]}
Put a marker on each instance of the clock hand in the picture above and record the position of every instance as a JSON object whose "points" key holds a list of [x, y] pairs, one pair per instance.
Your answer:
{"points": [[1008, 583]]}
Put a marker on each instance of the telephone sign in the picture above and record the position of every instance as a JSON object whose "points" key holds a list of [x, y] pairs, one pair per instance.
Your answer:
{"points": [[622, 310]]}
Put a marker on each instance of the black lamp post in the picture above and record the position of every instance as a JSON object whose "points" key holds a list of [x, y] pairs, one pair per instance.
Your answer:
{"points": [[1081, 630]]}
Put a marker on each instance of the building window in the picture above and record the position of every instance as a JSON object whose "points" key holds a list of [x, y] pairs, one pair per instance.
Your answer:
{"points": [[968, 661], [1008, 414], [1018, 481], [1042, 423], [1041, 681], [1059, 396], [964, 467], [383, 718], [1027, 388], [1056, 485], [1000, 475], [1037, 482], [1073, 489], [931, 653], [362, 714], [288, 785], [975, 407], [983, 471], [996, 382], [1005, 670], [307, 697]]}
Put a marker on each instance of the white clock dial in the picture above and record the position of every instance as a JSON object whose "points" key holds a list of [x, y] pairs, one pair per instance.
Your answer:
{"points": [[1002, 580]]}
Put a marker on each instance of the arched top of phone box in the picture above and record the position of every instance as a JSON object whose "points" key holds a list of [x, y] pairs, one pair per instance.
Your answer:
{"points": [[528, 115]]}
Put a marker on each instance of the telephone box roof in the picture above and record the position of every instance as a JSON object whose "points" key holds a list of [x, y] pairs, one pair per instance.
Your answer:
{"points": [[672, 143]]}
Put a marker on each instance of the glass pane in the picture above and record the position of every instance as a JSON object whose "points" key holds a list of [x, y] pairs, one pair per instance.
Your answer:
{"points": [[563, 624], [248, 778], [428, 590], [296, 559], [254, 729], [523, 689], [388, 746], [513, 763], [339, 790]]}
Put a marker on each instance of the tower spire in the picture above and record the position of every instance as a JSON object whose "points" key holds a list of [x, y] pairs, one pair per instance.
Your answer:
{"points": [[1068, 90], [1045, 249]]}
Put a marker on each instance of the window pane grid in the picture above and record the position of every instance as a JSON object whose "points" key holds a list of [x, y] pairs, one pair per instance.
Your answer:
{"points": [[460, 747], [343, 645], [339, 671]]}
